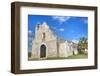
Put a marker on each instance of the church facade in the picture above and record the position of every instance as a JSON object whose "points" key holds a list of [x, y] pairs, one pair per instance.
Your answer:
{"points": [[46, 44]]}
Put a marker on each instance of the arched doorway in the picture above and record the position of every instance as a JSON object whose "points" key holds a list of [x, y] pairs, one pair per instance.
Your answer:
{"points": [[42, 51]]}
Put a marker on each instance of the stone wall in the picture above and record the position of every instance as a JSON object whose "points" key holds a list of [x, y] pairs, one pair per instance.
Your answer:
{"points": [[54, 47], [49, 40]]}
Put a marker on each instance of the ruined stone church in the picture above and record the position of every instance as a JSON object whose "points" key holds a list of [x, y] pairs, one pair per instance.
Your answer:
{"points": [[46, 44]]}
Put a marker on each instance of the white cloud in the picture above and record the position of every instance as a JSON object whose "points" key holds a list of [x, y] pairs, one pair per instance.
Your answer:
{"points": [[85, 21], [61, 19], [30, 32], [61, 29], [54, 28], [30, 43], [30, 38], [75, 41]]}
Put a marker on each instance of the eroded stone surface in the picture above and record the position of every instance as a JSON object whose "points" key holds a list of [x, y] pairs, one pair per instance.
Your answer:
{"points": [[55, 47]]}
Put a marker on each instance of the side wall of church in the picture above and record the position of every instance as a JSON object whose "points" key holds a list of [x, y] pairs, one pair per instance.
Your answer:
{"points": [[67, 49], [52, 49], [62, 50]]}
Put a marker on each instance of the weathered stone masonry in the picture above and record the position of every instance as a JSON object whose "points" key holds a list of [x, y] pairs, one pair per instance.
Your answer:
{"points": [[47, 45]]}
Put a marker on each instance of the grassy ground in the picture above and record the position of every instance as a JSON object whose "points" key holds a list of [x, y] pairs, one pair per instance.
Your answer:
{"points": [[78, 56]]}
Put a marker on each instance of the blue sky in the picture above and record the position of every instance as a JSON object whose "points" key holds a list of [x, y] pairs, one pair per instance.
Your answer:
{"points": [[66, 27]]}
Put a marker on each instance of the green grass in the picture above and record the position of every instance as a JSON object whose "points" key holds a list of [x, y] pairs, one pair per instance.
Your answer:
{"points": [[78, 56]]}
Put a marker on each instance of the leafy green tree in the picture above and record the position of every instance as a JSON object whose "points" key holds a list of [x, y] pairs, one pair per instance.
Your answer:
{"points": [[82, 44]]}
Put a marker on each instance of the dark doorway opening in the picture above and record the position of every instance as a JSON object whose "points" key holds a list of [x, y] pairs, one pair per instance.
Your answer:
{"points": [[42, 51]]}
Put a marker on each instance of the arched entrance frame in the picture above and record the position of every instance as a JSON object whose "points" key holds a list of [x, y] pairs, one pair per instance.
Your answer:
{"points": [[40, 50]]}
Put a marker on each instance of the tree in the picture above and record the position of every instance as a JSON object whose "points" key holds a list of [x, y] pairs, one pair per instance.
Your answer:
{"points": [[82, 44]]}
